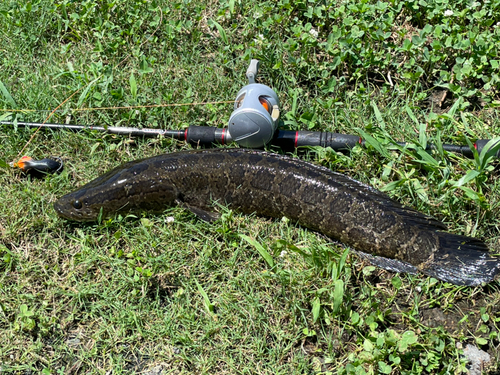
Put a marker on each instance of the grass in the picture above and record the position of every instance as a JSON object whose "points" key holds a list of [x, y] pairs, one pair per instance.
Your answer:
{"points": [[245, 294]]}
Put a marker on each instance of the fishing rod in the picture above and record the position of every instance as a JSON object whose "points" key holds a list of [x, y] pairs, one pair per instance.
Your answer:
{"points": [[252, 124], [287, 140]]}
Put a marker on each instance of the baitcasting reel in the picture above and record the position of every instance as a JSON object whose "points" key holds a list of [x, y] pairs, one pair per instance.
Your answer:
{"points": [[254, 120]]}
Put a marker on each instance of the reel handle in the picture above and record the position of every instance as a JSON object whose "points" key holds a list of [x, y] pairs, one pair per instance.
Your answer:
{"points": [[252, 71]]}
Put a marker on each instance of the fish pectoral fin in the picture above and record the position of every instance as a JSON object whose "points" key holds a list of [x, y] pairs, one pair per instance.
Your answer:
{"points": [[201, 213], [387, 264]]}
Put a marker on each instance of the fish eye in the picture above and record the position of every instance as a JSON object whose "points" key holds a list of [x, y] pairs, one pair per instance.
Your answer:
{"points": [[77, 204]]}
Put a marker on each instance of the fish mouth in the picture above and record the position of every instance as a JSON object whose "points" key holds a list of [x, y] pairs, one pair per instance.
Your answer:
{"points": [[58, 208], [61, 212]]}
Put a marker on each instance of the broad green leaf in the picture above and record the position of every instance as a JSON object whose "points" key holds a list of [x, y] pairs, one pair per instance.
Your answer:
{"points": [[395, 359], [407, 44], [368, 345], [354, 318], [396, 282], [481, 341], [384, 368], [407, 339], [472, 194], [144, 67], [23, 308]]}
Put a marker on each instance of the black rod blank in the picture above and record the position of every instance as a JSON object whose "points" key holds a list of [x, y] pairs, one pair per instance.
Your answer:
{"points": [[288, 140]]}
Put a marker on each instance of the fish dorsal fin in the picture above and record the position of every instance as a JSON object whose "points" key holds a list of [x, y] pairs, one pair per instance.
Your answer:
{"points": [[410, 214]]}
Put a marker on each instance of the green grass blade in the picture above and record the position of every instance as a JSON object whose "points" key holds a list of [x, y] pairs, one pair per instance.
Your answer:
{"points": [[412, 115], [85, 92], [422, 136], [341, 264], [488, 152], [206, 301], [222, 32], [133, 86], [382, 150], [338, 295], [427, 158], [378, 115], [474, 152], [454, 107], [469, 176], [439, 144], [7, 95], [316, 309], [5, 116], [262, 251]]}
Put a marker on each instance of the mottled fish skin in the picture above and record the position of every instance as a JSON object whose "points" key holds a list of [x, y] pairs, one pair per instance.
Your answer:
{"points": [[275, 185]]}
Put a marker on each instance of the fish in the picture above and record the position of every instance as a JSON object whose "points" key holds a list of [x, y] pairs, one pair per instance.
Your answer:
{"points": [[376, 227]]}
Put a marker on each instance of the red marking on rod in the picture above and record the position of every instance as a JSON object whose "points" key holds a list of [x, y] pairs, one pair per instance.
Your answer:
{"points": [[296, 138], [223, 135], [186, 134], [360, 140], [475, 146]]}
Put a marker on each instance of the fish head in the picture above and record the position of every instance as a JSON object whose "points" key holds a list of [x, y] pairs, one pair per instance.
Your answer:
{"points": [[73, 209], [130, 188], [76, 206]]}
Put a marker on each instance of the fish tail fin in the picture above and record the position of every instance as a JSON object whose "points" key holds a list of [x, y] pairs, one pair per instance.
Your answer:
{"points": [[462, 260]]}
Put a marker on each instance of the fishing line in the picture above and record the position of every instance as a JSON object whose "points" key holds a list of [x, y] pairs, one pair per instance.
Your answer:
{"points": [[47, 119], [118, 107]]}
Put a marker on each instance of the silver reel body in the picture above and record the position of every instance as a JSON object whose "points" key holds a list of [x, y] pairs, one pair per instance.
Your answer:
{"points": [[254, 120]]}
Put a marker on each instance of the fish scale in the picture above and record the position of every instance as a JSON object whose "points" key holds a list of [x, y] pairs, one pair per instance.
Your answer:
{"points": [[393, 236]]}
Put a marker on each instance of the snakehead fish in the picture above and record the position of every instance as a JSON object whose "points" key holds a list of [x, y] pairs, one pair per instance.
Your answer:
{"points": [[389, 234]]}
